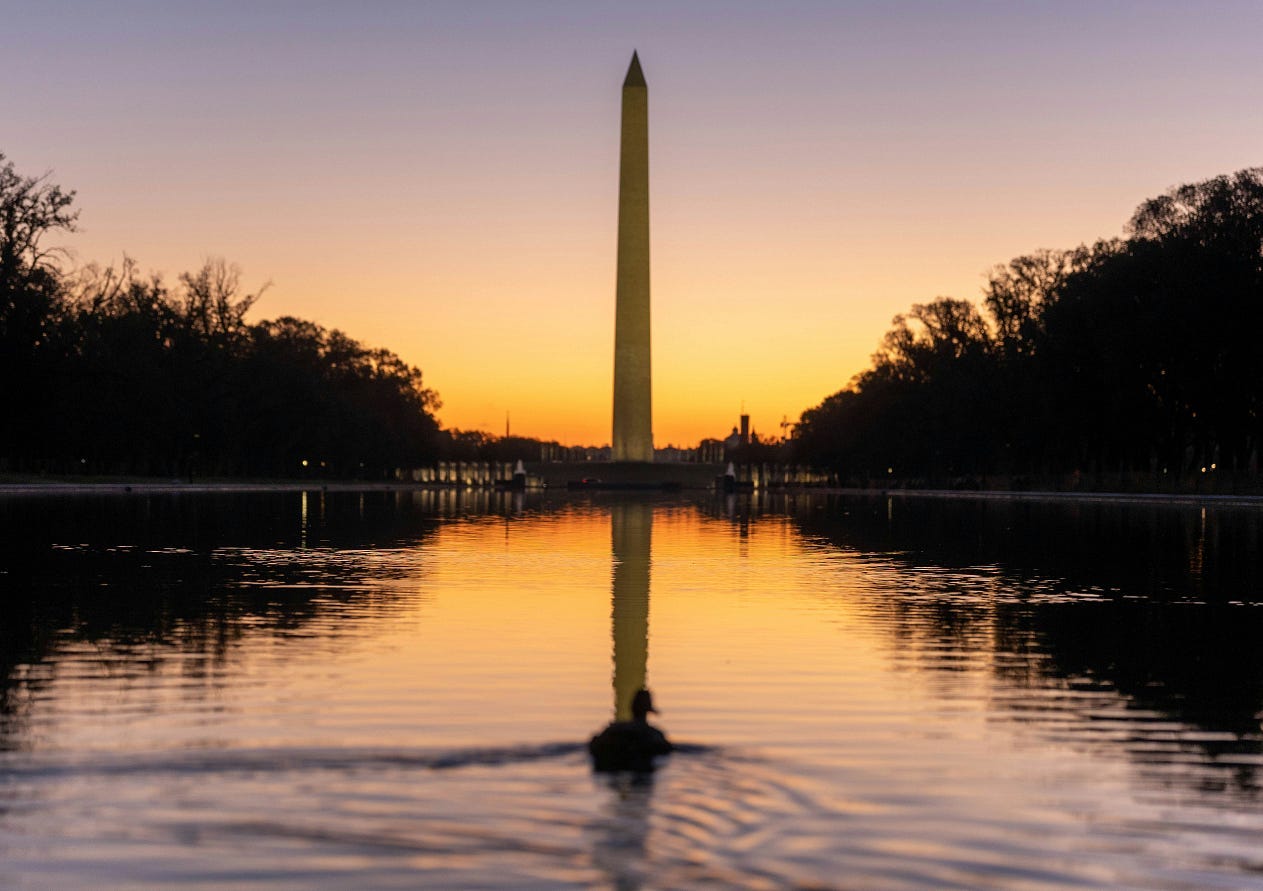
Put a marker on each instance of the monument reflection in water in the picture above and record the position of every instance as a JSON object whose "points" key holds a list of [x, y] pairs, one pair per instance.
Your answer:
{"points": [[630, 743], [631, 530]]}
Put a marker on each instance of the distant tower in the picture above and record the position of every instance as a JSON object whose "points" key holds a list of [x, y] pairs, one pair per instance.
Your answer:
{"points": [[633, 396]]}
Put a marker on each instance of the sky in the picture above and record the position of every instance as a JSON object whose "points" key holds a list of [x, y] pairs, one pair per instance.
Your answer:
{"points": [[441, 179]]}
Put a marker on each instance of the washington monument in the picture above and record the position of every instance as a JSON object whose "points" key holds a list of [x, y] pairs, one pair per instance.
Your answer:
{"points": [[633, 397]]}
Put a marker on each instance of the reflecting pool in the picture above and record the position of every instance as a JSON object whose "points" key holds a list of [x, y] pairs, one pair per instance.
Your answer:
{"points": [[395, 689]]}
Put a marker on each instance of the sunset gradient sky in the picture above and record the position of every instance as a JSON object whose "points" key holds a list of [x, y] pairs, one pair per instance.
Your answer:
{"points": [[441, 178]]}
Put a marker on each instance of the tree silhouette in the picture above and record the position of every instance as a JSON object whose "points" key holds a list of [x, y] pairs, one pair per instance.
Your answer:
{"points": [[1129, 360], [31, 210], [108, 371]]}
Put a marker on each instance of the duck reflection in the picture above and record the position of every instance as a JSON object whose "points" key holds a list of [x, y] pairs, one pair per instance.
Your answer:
{"points": [[630, 742]]}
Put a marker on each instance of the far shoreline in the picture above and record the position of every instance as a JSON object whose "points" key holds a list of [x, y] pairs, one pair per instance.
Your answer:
{"points": [[201, 487], [72, 488]]}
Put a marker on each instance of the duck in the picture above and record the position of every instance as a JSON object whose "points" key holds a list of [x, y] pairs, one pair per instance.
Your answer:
{"points": [[630, 745]]}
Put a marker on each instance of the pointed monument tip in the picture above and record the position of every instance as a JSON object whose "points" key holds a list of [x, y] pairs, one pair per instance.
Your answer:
{"points": [[635, 77]]}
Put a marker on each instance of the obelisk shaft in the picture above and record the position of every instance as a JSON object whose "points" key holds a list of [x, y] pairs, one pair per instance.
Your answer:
{"points": [[633, 382]]}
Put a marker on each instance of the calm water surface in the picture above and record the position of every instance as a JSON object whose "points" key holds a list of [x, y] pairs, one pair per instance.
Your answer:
{"points": [[388, 690]]}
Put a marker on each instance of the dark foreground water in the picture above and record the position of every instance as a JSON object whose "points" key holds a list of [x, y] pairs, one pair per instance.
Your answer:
{"points": [[393, 691]]}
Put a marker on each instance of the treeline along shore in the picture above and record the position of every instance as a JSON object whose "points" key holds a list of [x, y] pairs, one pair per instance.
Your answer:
{"points": [[1132, 363], [108, 371]]}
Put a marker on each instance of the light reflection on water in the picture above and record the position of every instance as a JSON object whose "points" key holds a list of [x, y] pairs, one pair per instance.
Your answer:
{"points": [[380, 690]]}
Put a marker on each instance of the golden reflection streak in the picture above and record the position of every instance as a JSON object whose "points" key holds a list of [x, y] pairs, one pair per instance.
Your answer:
{"points": [[630, 533], [302, 529]]}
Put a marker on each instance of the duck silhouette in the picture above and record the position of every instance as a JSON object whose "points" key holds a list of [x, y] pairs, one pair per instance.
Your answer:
{"points": [[630, 745]]}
